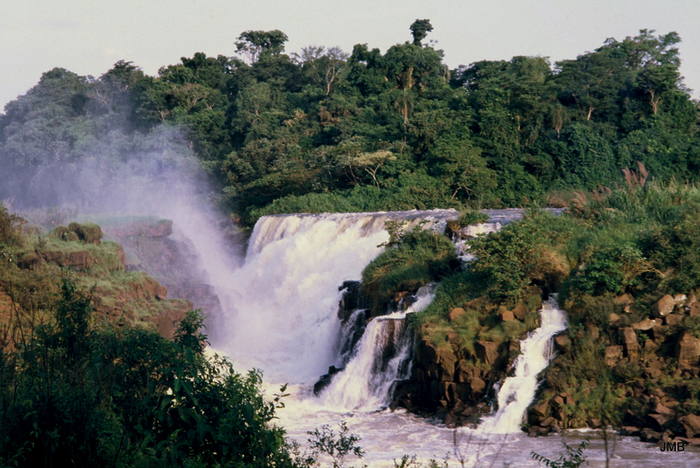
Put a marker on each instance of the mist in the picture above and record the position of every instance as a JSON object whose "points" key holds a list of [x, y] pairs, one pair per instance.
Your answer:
{"points": [[133, 174]]}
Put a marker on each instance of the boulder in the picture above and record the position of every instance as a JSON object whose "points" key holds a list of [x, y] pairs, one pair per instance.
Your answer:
{"points": [[325, 379], [537, 431], [507, 316], [645, 325], [477, 386], [78, 260], [464, 372], [562, 343], [520, 311], [663, 306], [629, 431], [662, 415], [673, 319], [649, 435], [691, 424], [694, 309], [456, 313], [629, 342], [687, 351], [541, 411], [447, 360], [487, 351]]}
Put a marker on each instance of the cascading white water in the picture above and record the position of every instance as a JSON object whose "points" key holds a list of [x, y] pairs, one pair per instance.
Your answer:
{"points": [[366, 382], [283, 301], [517, 391]]}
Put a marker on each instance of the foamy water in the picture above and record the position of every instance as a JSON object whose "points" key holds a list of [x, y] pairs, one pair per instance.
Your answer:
{"points": [[283, 319]]}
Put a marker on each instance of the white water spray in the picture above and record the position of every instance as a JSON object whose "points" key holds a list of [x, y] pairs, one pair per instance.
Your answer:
{"points": [[517, 391], [366, 382], [284, 300]]}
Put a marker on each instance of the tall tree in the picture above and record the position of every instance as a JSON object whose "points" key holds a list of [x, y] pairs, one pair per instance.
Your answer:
{"points": [[419, 29], [254, 44]]}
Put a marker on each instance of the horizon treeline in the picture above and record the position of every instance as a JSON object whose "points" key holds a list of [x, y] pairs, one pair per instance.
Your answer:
{"points": [[326, 130]]}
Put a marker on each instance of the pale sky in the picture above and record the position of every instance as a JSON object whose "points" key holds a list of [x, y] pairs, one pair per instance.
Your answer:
{"points": [[88, 36]]}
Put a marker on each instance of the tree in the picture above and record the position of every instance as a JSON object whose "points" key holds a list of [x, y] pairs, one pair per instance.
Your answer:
{"points": [[256, 44], [324, 65], [419, 29]]}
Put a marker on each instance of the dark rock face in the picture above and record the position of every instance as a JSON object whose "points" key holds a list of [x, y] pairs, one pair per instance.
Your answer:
{"points": [[325, 380], [644, 356]]}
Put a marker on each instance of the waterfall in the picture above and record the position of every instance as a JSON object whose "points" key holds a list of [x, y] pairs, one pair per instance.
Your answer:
{"points": [[282, 303], [383, 356], [517, 391]]}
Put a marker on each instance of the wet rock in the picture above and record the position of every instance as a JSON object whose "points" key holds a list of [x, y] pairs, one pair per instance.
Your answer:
{"points": [[649, 435], [325, 380], [513, 353], [594, 423], [693, 442], [537, 431], [663, 306], [451, 420], [629, 431]]}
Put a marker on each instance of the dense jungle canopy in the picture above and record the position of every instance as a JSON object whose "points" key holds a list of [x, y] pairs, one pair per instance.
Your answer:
{"points": [[325, 130]]}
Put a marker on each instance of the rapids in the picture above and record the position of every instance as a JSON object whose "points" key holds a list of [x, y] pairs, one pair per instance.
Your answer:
{"points": [[281, 316]]}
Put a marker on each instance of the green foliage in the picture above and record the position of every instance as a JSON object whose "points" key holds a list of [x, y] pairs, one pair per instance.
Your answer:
{"points": [[572, 458], [469, 217], [511, 259], [692, 325], [609, 269], [76, 395], [411, 260], [338, 447], [329, 131], [9, 227]]}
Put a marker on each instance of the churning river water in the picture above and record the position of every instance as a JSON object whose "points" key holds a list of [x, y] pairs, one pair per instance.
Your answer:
{"points": [[282, 317]]}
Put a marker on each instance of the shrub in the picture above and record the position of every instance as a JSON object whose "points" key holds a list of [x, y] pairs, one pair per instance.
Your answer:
{"points": [[411, 260], [76, 395], [10, 227]]}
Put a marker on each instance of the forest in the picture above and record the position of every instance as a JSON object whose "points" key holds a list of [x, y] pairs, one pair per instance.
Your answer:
{"points": [[326, 130]]}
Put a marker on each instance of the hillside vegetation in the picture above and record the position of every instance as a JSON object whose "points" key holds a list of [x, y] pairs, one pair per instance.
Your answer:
{"points": [[625, 263], [326, 130]]}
